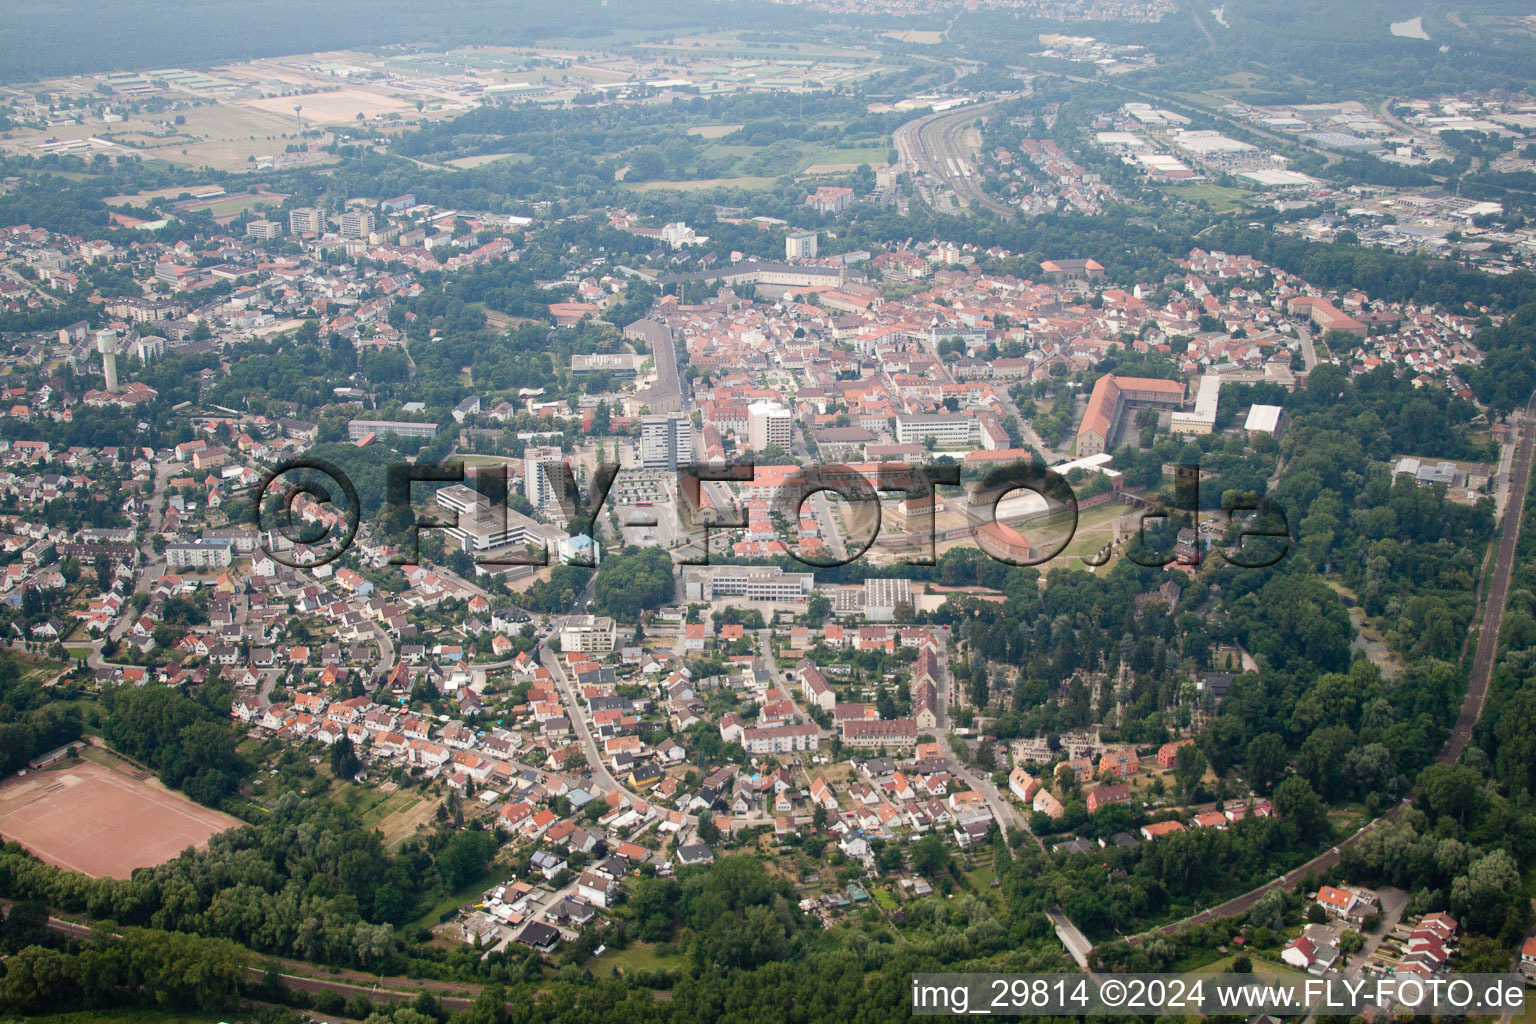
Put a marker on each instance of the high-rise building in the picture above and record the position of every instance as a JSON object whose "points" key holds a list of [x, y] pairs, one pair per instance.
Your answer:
{"points": [[306, 220], [263, 229], [768, 423], [665, 441], [357, 224], [800, 245], [543, 477]]}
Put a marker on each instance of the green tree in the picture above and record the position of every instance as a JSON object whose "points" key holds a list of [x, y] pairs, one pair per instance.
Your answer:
{"points": [[1188, 769], [1266, 761], [1296, 801]]}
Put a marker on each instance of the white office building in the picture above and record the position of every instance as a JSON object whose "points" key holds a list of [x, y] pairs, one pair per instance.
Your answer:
{"points": [[748, 582], [357, 224], [483, 525], [306, 220], [951, 431], [768, 423], [1202, 419]]}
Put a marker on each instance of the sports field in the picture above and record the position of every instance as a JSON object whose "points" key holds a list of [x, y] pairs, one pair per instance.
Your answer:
{"points": [[337, 106], [97, 821]]}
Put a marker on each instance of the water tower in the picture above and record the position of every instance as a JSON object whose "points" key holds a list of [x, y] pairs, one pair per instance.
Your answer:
{"points": [[298, 113], [106, 344]]}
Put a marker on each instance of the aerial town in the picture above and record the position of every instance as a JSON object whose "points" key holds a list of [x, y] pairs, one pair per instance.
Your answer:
{"points": [[494, 526]]}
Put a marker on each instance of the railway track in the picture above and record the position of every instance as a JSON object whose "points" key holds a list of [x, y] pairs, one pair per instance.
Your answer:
{"points": [[931, 144]]}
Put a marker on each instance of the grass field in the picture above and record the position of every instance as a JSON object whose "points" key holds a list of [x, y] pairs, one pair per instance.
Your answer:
{"points": [[1220, 198], [1095, 528], [637, 956], [143, 198], [338, 107], [713, 131], [482, 159], [703, 184], [240, 203], [372, 805], [470, 892], [831, 160], [220, 135]]}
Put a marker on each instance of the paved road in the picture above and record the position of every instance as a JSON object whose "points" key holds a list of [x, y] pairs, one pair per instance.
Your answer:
{"points": [[1076, 942], [1308, 349], [1002, 809], [1471, 705], [572, 703]]}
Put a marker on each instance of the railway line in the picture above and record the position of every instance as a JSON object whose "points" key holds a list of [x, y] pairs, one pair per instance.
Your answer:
{"points": [[1471, 706], [932, 145]]}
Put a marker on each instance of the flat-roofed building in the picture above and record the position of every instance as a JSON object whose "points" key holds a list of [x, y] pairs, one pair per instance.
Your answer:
{"points": [[883, 595], [359, 429], [483, 525], [262, 229], [748, 582], [587, 634], [357, 224], [768, 423], [948, 431], [1266, 419], [1201, 419], [200, 553], [619, 365], [306, 220], [665, 441]]}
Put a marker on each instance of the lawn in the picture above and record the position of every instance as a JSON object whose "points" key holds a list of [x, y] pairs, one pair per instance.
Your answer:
{"points": [[637, 956], [1094, 529], [980, 877], [1264, 969], [713, 131], [1220, 198], [482, 159], [240, 203], [832, 156], [748, 182], [371, 805], [469, 892]]}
